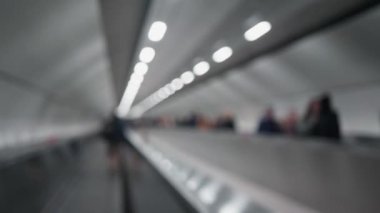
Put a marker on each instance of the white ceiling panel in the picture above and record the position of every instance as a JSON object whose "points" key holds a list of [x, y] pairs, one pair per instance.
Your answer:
{"points": [[197, 28], [281, 77], [18, 105], [340, 58], [54, 67], [92, 93], [42, 34], [331, 65], [252, 86]]}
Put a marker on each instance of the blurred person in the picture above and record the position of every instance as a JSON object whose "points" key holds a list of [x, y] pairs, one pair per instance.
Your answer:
{"points": [[289, 123], [113, 133], [204, 123], [268, 123], [225, 121], [328, 125], [165, 121], [321, 120], [191, 120], [309, 121]]}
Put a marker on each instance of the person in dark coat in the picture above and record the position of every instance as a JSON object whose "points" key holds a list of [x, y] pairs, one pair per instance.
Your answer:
{"points": [[268, 124], [225, 121], [113, 134], [192, 120], [327, 125]]}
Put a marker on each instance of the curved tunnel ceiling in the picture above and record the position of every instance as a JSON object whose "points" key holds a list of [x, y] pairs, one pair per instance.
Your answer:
{"points": [[339, 59], [64, 64], [54, 70]]}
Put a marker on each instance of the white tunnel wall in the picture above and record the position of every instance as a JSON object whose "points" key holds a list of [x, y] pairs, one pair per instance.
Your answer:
{"points": [[342, 61], [55, 79]]}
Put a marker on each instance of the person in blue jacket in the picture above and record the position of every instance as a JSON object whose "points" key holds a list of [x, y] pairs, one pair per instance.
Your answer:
{"points": [[268, 124]]}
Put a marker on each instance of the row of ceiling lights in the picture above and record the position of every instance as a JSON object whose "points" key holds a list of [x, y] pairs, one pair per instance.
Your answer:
{"points": [[199, 69], [156, 33]]}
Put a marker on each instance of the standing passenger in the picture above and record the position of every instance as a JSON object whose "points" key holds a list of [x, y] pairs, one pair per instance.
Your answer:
{"points": [[289, 123], [113, 133], [309, 121], [328, 123], [225, 121], [268, 124]]}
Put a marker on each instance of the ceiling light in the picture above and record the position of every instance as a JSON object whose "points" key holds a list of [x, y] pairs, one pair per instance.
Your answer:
{"points": [[157, 31], [125, 103], [133, 90], [170, 88], [121, 112], [222, 54], [208, 193], [141, 68], [147, 54], [193, 183], [136, 79], [147, 102], [156, 98], [187, 77], [136, 76], [162, 94], [257, 31], [177, 84], [201, 68], [167, 90], [236, 205], [137, 111]]}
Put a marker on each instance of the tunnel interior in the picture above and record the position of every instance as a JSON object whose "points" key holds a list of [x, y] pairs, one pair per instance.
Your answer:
{"points": [[189, 106]]}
